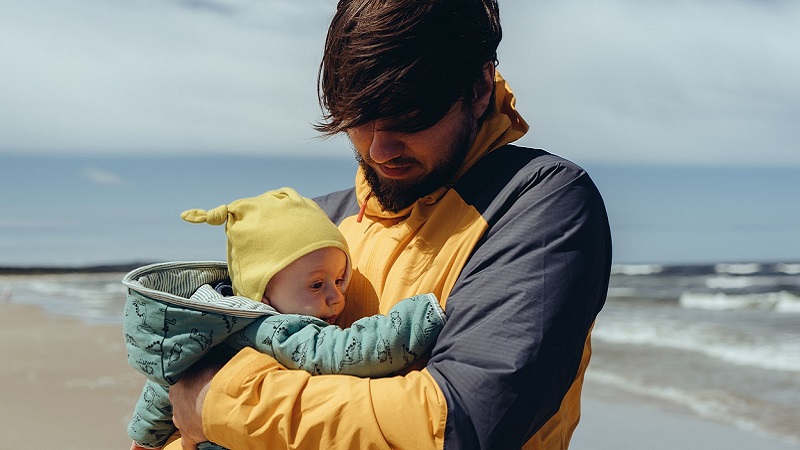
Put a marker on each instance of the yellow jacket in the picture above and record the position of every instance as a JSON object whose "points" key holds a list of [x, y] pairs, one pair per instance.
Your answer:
{"points": [[517, 249]]}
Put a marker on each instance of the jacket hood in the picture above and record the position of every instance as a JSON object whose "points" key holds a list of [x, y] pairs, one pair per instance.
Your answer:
{"points": [[502, 126]]}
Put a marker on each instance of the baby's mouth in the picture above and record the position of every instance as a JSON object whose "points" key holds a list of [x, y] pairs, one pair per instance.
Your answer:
{"points": [[332, 319]]}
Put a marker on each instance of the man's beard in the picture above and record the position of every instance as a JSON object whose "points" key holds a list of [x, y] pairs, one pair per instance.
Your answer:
{"points": [[394, 195]]}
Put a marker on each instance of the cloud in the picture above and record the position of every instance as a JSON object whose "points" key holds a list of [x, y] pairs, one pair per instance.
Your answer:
{"points": [[694, 82], [154, 77], [102, 177], [667, 82]]}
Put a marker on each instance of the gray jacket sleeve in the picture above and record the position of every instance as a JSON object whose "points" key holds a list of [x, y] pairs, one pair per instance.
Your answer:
{"points": [[522, 308]]}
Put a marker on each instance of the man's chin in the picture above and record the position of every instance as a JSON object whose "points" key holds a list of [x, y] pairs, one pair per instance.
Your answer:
{"points": [[392, 194]]}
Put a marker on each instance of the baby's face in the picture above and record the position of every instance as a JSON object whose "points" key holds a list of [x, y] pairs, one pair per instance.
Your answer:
{"points": [[311, 285]]}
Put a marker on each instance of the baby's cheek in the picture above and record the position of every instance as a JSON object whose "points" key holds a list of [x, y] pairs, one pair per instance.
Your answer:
{"points": [[316, 310]]}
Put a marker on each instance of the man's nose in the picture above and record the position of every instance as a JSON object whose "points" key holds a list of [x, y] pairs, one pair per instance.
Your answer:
{"points": [[385, 146]]}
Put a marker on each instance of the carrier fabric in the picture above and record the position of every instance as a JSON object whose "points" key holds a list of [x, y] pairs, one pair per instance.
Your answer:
{"points": [[173, 318]]}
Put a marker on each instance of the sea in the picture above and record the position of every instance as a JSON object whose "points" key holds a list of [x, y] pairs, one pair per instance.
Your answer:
{"points": [[721, 341], [82, 210]]}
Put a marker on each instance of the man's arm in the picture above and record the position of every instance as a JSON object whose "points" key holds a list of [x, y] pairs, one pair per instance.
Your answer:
{"points": [[254, 403], [517, 321], [523, 306]]}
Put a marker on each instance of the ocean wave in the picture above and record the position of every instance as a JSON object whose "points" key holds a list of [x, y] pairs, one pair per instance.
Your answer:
{"points": [[636, 269], [789, 269], [739, 282], [738, 269], [728, 345], [782, 301], [88, 297]]}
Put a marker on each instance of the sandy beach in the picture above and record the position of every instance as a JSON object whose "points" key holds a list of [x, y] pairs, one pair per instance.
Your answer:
{"points": [[67, 385]]}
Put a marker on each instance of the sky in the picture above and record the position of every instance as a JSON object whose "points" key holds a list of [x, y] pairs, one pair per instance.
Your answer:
{"points": [[686, 82], [685, 112]]}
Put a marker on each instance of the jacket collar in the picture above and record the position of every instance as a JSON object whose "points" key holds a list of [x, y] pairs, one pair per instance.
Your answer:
{"points": [[503, 125]]}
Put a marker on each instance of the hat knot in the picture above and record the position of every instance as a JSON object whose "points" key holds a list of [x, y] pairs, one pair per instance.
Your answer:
{"points": [[216, 216]]}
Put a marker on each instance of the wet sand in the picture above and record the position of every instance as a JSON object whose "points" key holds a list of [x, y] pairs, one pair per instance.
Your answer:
{"points": [[614, 420]]}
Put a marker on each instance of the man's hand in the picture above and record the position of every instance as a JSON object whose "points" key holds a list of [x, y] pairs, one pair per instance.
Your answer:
{"points": [[187, 397]]}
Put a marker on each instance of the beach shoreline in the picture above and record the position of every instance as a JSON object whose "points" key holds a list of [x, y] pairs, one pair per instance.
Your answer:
{"points": [[615, 420], [67, 385]]}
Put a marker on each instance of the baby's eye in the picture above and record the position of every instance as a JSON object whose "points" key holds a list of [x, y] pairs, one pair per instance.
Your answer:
{"points": [[339, 281], [316, 285]]}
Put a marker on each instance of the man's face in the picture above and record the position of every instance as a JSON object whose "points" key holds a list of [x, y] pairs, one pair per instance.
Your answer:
{"points": [[402, 167]]}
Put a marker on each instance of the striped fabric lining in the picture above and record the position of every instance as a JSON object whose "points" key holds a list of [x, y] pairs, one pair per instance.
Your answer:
{"points": [[186, 284]]}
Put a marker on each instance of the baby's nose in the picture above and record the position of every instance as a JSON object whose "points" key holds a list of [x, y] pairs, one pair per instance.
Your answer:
{"points": [[334, 296]]}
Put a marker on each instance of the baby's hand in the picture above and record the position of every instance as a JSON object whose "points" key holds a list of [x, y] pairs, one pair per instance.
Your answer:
{"points": [[135, 446]]}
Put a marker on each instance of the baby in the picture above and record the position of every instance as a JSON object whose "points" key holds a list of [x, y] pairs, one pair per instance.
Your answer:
{"points": [[281, 291]]}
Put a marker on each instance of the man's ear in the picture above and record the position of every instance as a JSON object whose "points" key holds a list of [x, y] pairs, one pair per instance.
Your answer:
{"points": [[483, 91]]}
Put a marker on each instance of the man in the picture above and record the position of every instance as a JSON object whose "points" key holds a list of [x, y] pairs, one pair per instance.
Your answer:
{"points": [[514, 241]]}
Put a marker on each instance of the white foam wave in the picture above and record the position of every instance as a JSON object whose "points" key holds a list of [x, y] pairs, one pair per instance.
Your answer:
{"points": [[636, 269], [789, 269], [707, 339], [784, 302], [737, 282], [789, 304], [738, 269], [89, 297]]}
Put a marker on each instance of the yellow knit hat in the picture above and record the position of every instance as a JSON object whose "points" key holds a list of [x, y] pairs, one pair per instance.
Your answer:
{"points": [[269, 232]]}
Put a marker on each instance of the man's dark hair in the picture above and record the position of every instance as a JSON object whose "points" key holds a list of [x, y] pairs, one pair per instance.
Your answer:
{"points": [[407, 61]]}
